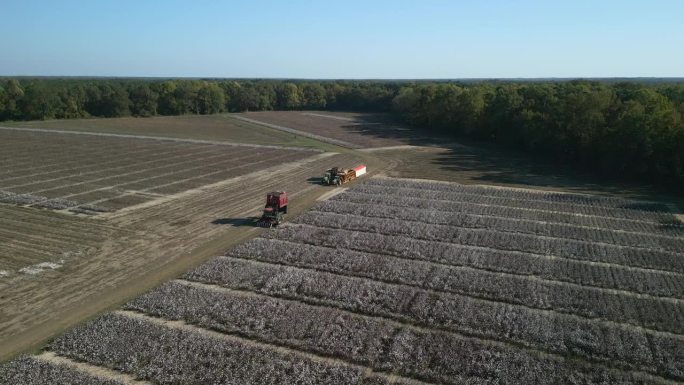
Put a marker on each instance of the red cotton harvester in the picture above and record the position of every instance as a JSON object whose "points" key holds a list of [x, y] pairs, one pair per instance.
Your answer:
{"points": [[275, 209]]}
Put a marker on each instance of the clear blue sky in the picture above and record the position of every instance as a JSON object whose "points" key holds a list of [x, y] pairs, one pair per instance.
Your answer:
{"points": [[343, 39]]}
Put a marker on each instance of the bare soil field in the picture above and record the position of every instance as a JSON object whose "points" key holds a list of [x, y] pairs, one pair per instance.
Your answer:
{"points": [[383, 284], [91, 174], [36, 241], [352, 130], [220, 127]]}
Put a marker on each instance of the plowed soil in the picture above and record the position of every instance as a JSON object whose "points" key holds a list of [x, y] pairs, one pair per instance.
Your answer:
{"points": [[352, 130]]}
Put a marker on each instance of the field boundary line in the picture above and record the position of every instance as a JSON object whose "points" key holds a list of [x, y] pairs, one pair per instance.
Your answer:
{"points": [[391, 148], [94, 370], [406, 323], [615, 324], [329, 116], [297, 132], [160, 138], [531, 277], [223, 183], [331, 193], [250, 341]]}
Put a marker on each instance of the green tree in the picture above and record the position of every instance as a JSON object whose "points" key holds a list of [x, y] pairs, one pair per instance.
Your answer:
{"points": [[13, 95], [211, 99], [166, 103], [73, 97], [40, 102], [144, 100], [313, 96], [288, 96]]}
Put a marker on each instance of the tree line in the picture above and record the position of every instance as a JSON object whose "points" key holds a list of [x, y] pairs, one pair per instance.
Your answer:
{"points": [[628, 130]]}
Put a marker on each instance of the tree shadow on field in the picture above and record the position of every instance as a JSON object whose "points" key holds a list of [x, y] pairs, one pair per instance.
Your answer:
{"points": [[491, 164], [471, 162], [236, 222], [436, 156]]}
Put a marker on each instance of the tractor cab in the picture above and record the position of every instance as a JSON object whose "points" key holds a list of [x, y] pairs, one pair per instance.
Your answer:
{"points": [[331, 176]]}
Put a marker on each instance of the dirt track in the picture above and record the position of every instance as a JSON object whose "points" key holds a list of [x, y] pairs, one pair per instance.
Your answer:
{"points": [[157, 240]]}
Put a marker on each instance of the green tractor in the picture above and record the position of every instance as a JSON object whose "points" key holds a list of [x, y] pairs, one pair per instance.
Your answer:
{"points": [[330, 177], [337, 176]]}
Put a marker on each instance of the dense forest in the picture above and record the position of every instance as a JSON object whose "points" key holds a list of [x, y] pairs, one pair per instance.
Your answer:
{"points": [[625, 130]]}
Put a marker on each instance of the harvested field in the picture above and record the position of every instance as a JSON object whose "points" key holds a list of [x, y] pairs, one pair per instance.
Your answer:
{"points": [[353, 130], [88, 173], [219, 127], [38, 241], [406, 282]]}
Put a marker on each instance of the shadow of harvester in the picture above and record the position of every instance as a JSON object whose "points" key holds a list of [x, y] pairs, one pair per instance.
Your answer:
{"points": [[236, 222]]}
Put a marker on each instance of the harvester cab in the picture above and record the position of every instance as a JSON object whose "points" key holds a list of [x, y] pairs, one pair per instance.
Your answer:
{"points": [[275, 209]]}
